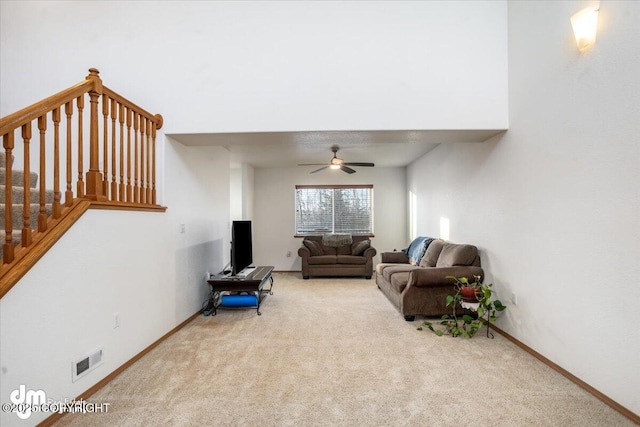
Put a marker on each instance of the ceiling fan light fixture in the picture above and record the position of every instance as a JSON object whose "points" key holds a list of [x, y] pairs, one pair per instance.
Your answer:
{"points": [[337, 163]]}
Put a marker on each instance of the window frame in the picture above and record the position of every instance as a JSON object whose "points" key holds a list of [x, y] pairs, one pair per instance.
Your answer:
{"points": [[332, 187]]}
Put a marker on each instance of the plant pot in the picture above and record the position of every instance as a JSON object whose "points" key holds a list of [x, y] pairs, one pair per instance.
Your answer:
{"points": [[468, 294]]}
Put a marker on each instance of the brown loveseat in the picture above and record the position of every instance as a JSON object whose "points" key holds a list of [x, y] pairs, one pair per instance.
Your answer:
{"points": [[354, 259], [421, 289]]}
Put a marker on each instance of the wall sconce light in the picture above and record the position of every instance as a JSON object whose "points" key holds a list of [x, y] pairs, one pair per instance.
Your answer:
{"points": [[585, 24]]}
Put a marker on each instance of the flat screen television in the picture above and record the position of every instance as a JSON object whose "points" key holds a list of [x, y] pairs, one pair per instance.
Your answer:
{"points": [[241, 246]]}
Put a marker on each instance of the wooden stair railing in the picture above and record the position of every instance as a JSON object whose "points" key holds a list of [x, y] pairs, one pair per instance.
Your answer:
{"points": [[127, 180]]}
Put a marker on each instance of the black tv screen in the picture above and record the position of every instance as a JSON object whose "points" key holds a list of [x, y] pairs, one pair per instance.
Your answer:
{"points": [[241, 246]]}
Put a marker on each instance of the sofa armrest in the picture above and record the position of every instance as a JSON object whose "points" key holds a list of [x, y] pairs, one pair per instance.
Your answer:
{"points": [[370, 252], [437, 276], [304, 252], [395, 257]]}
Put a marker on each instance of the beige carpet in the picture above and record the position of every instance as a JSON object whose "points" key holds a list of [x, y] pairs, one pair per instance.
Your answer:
{"points": [[335, 352]]}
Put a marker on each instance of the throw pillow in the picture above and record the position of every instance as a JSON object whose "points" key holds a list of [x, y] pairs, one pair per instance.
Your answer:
{"points": [[430, 257], [360, 247], [314, 247], [456, 254]]}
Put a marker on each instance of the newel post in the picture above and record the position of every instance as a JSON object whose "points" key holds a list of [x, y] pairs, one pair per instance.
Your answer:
{"points": [[93, 180]]}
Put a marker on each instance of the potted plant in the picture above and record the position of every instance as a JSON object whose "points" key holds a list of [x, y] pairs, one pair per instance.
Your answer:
{"points": [[468, 291], [473, 295]]}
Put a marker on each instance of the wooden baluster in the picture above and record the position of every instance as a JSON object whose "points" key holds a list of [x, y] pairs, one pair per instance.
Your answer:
{"points": [[129, 124], [68, 195], [80, 103], [143, 142], [136, 188], [105, 142], [93, 176], [57, 209], [153, 164], [149, 124], [26, 224], [7, 248], [114, 185], [42, 216], [121, 195]]}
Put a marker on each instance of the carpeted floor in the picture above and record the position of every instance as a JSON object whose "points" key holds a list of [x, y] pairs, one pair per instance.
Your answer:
{"points": [[335, 352]]}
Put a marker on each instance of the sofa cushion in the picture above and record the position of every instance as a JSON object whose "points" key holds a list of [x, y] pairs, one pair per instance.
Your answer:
{"points": [[343, 250], [360, 247], [328, 250], [381, 266], [453, 254], [323, 260], [351, 259], [430, 258], [388, 272], [314, 247], [399, 281]]}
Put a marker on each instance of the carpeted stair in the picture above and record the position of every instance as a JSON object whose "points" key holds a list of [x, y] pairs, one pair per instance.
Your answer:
{"points": [[17, 198]]}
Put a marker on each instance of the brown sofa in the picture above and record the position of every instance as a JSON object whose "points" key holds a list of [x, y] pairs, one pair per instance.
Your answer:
{"points": [[421, 289], [355, 259]]}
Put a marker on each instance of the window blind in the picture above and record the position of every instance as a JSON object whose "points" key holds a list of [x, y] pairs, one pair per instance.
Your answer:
{"points": [[334, 209]]}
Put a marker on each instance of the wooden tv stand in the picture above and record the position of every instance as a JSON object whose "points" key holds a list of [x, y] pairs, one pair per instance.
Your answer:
{"points": [[253, 283]]}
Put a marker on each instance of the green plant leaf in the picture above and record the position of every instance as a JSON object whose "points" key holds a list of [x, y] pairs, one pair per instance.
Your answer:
{"points": [[449, 299]]}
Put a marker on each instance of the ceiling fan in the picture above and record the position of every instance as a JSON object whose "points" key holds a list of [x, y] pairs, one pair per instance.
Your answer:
{"points": [[337, 163]]}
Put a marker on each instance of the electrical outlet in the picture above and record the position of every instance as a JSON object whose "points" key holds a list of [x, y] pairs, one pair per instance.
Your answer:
{"points": [[183, 228], [288, 254], [514, 298], [116, 320]]}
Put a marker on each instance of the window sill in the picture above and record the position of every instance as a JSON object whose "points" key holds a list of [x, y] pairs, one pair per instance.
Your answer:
{"points": [[301, 236]]}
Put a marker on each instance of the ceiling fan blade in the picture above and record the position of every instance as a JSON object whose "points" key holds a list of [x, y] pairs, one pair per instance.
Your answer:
{"points": [[311, 164], [359, 164], [318, 170], [346, 169]]}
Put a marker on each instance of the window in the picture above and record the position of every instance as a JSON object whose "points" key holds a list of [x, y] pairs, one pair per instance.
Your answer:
{"points": [[334, 209]]}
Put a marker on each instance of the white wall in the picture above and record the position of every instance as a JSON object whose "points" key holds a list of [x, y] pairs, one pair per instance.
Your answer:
{"points": [[269, 66], [135, 263], [554, 203], [274, 225], [236, 201], [247, 191], [242, 192]]}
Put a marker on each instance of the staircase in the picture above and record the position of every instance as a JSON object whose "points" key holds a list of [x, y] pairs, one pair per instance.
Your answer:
{"points": [[101, 154], [17, 197]]}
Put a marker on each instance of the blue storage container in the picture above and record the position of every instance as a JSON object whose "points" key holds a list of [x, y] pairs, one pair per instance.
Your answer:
{"points": [[239, 301]]}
